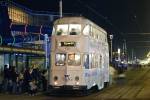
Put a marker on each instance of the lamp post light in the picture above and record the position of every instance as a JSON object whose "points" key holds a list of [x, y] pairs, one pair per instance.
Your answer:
{"points": [[119, 51], [111, 38]]}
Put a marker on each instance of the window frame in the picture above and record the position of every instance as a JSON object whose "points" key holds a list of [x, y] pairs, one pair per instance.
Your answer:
{"points": [[63, 60]]}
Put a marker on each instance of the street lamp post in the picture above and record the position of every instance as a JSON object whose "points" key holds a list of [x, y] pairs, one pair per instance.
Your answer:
{"points": [[119, 51], [111, 38], [60, 8]]}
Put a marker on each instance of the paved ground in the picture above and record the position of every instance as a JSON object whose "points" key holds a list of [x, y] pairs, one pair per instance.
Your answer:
{"points": [[136, 86]]}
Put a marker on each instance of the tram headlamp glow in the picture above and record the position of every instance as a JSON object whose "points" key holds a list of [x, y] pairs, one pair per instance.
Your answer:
{"points": [[77, 83], [55, 83], [77, 78]]}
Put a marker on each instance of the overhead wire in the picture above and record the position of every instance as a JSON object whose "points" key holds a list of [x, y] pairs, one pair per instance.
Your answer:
{"points": [[101, 16]]}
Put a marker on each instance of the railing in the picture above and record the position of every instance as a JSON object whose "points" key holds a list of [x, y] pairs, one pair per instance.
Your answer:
{"points": [[9, 49]]}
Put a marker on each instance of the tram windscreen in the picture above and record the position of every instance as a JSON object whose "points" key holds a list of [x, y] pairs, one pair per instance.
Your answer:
{"points": [[60, 59], [74, 59]]}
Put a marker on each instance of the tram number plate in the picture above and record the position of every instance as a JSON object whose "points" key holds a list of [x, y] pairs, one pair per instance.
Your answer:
{"points": [[68, 44], [76, 87]]}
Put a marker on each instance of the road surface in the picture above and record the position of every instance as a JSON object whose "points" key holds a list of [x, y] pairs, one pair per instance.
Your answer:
{"points": [[135, 86]]}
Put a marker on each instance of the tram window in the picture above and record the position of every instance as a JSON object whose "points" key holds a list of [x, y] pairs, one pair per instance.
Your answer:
{"points": [[59, 32], [86, 30], [97, 36], [74, 29], [100, 61], [96, 61], [53, 31], [62, 29], [93, 61], [90, 60], [74, 59], [86, 61], [73, 32], [91, 30], [60, 59]]}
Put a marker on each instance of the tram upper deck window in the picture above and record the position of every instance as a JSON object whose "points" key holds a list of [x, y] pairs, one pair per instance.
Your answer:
{"points": [[62, 29], [74, 29], [86, 30], [74, 59], [86, 61], [60, 59]]}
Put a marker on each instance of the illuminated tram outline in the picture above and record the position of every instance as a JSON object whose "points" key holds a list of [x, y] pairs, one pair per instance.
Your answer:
{"points": [[87, 45]]}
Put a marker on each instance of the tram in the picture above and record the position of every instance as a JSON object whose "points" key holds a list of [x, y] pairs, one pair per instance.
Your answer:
{"points": [[79, 55]]}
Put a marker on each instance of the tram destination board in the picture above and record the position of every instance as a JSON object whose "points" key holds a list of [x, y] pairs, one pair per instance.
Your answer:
{"points": [[68, 44]]}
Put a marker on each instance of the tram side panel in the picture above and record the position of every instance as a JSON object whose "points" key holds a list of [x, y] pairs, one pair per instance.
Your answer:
{"points": [[106, 62]]}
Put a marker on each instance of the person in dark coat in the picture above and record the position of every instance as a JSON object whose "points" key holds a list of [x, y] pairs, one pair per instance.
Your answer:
{"points": [[44, 80], [5, 78], [14, 80], [26, 80]]}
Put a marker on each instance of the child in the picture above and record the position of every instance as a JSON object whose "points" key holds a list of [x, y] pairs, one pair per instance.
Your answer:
{"points": [[33, 88]]}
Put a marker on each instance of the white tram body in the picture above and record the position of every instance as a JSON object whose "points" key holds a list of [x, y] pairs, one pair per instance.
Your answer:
{"points": [[79, 55]]}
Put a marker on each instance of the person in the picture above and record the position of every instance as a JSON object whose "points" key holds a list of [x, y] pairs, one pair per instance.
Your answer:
{"points": [[33, 88], [35, 72], [59, 32], [26, 78], [44, 80], [73, 32], [86, 62], [11, 76], [14, 80], [20, 83], [5, 78], [71, 59]]}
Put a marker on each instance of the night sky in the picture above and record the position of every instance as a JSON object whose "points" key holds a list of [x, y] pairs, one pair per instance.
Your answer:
{"points": [[125, 19]]}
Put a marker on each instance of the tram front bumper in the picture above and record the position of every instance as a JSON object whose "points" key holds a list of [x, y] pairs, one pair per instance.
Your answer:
{"points": [[68, 87]]}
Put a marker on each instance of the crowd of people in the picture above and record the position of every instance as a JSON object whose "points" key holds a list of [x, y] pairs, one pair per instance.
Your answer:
{"points": [[28, 80]]}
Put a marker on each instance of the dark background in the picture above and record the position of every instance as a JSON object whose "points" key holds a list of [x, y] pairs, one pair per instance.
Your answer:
{"points": [[126, 19]]}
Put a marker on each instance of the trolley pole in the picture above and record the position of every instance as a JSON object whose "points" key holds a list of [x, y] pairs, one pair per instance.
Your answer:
{"points": [[111, 38], [60, 8]]}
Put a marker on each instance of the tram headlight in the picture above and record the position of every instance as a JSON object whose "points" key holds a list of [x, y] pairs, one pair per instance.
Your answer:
{"points": [[77, 80], [55, 83], [55, 80], [77, 83]]}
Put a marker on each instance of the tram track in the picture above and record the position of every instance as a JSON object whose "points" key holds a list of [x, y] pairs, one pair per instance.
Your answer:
{"points": [[130, 89], [137, 81], [133, 87]]}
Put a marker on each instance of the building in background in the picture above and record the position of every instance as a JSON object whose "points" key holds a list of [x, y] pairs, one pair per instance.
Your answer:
{"points": [[22, 15], [22, 27]]}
